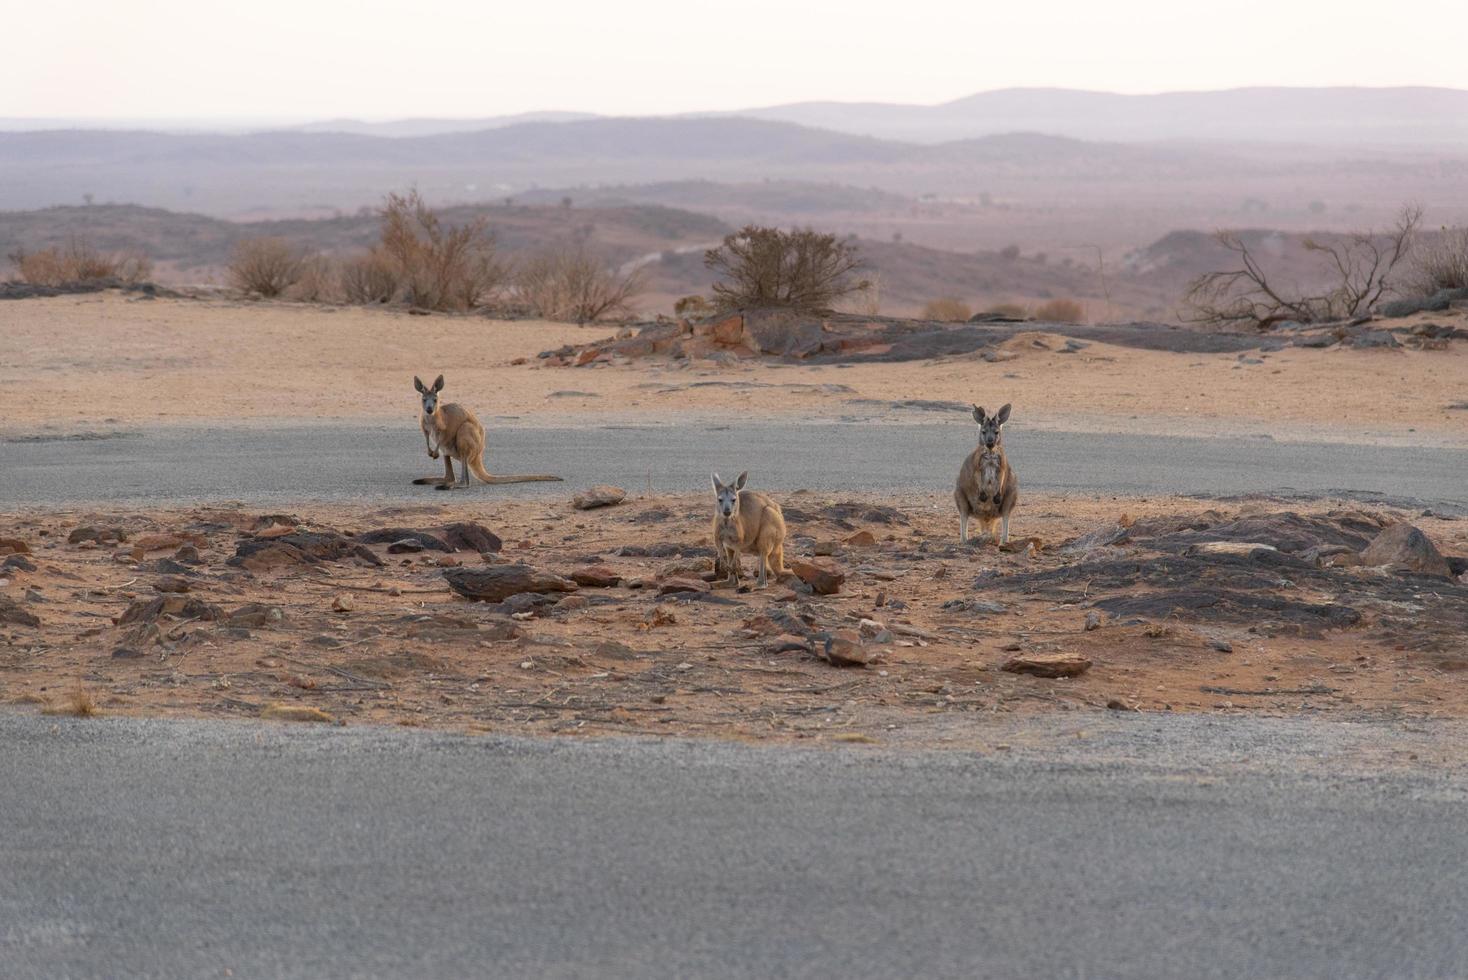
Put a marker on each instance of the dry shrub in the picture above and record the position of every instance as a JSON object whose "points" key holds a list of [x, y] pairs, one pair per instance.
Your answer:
{"points": [[79, 261], [1441, 263], [265, 266], [949, 309], [800, 269], [1061, 311], [1360, 267], [369, 278], [319, 281], [693, 308], [438, 266], [568, 283]]}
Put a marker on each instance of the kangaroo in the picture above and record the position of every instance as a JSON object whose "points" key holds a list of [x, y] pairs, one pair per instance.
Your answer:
{"points": [[451, 429], [747, 522], [987, 487]]}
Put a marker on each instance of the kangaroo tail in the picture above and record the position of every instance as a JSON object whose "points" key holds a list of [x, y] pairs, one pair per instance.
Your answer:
{"points": [[476, 466]]}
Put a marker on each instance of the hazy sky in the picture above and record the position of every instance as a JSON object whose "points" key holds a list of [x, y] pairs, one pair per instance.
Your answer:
{"points": [[376, 59]]}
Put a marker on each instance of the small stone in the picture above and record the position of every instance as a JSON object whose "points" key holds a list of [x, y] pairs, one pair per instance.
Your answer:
{"points": [[172, 583], [601, 495], [845, 649], [343, 603], [573, 602], [275, 531], [674, 586], [823, 548], [1222, 646], [1093, 620], [822, 577], [126, 653], [405, 546], [870, 627], [596, 576], [862, 539], [187, 554], [294, 712], [13, 546]]}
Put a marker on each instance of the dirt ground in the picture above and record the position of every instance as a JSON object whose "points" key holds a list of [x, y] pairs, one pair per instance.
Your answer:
{"points": [[109, 361], [372, 633]]}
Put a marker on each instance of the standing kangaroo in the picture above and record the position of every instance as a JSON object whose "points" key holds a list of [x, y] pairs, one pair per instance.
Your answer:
{"points": [[451, 429], [987, 487], [747, 522]]}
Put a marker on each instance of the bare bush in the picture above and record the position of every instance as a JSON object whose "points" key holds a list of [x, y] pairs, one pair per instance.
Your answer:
{"points": [[568, 283], [319, 281], [439, 266], [693, 307], [948, 309], [79, 261], [1012, 310], [1441, 263], [801, 269], [1360, 267], [1061, 311], [265, 266], [369, 278]]}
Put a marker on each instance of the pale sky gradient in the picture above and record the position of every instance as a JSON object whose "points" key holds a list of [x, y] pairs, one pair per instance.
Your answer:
{"points": [[291, 60]]}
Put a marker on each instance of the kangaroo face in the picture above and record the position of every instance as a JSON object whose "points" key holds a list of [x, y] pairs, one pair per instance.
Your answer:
{"points": [[430, 395], [990, 426], [727, 495]]}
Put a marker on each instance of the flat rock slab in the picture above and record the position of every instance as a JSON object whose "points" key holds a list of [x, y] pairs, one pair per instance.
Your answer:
{"points": [[1404, 548], [823, 577], [498, 583], [1047, 664]]}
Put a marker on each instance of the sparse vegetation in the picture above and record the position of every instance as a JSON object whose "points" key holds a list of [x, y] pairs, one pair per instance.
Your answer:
{"points": [[693, 307], [78, 704], [948, 309], [569, 283], [438, 266], [1014, 310], [369, 278], [1061, 311], [801, 269], [1361, 267], [265, 266], [319, 281], [1441, 263], [78, 261]]}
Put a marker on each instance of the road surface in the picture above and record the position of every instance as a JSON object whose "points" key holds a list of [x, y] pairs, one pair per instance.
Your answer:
{"points": [[1156, 847], [363, 462]]}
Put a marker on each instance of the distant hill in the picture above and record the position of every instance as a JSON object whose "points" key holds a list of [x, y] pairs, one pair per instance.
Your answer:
{"points": [[1361, 116], [427, 126]]}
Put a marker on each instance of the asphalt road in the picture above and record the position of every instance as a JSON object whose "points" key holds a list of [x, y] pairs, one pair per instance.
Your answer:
{"points": [[1159, 847], [354, 462]]}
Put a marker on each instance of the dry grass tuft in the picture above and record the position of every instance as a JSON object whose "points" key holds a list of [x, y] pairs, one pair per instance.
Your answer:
{"points": [[79, 704], [1441, 263], [294, 712], [948, 309]]}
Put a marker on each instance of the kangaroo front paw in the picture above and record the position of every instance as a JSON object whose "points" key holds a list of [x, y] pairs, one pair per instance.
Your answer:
{"points": [[433, 454]]}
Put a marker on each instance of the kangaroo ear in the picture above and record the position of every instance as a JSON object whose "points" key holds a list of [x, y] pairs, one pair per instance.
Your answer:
{"points": [[438, 384], [718, 486], [739, 483], [978, 415], [418, 383], [1003, 415]]}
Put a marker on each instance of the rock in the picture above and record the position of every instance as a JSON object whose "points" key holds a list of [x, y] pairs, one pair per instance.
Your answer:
{"points": [[1375, 338], [171, 583], [176, 606], [275, 531], [870, 627], [343, 603], [413, 540], [685, 568], [596, 576], [97, 535], [14, 614], [17, 563], [573, 602], [299, 548], [294, 712], [1403, 548], [1099, 538], [255, 615], [126, 653], [845, 649], [601, 495], [822, 577], [1222, 646], [187, 555], [823, 548], [674, 586], [862, 539], [1093, 620], [13, 546], [1047, 664], [1242, 549], [469, 536], [163, 542], [982, 606], [499, 582]]}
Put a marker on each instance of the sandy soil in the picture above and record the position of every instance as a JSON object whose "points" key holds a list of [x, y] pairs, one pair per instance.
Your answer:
{"points": [[109, 361], [389, 643]]}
